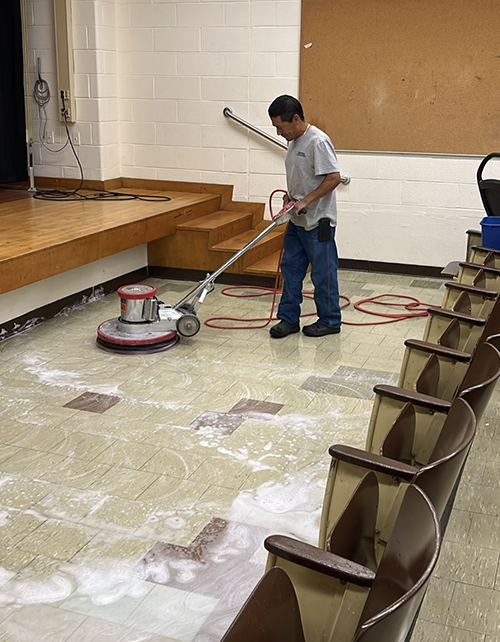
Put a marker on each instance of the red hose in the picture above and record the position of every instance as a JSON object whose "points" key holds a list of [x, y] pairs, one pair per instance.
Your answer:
{"points": [[388, 317], [411, 307]]}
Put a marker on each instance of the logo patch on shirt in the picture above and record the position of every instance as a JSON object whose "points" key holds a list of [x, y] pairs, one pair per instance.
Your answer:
{"points": [[301, 154]]}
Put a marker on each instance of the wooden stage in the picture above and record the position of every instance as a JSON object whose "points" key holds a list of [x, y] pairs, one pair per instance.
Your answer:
{"points": [[42, 238]]}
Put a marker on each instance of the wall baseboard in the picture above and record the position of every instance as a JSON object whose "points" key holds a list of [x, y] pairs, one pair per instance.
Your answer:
{"points": [[51, 310], [356, 265], [391, 268]]}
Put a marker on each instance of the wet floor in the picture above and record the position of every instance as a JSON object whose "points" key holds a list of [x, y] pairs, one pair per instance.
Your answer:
{"points": [[136, 490]]}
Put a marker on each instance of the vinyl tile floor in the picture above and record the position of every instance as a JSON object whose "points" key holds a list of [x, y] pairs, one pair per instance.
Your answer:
{"points": [[136, 490]]}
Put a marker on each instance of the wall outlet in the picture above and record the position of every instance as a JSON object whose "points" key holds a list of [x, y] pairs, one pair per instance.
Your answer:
{"points": [[49, 137], [75, 137]]}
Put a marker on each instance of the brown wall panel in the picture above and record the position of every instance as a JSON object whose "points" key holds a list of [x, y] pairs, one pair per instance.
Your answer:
{"points": [[403, 75]]}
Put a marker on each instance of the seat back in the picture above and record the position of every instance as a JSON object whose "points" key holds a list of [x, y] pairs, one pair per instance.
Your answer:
{"points": [[428, 380], [398, 443], [469, 272], [489, 258], [481, 377], [270, 613], [479, 280], [474, 237], [353, 535], [439, 477], [463, 304], [434, 381], [404, 572], [481, 299], [450, 338], [491, 315], [492, 325]]}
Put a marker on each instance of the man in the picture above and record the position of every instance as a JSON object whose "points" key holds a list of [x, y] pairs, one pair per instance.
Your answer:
{"points": [[312, 174]]}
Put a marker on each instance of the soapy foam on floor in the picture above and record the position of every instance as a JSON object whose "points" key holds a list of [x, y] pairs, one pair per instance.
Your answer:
{"points": [[290, 506]]}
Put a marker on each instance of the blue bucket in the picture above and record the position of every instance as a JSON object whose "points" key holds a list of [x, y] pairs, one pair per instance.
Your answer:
{"points": [[490, 232]]}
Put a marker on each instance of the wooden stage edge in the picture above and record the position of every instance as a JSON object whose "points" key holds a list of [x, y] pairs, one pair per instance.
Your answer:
{"points": [[42, 238]]}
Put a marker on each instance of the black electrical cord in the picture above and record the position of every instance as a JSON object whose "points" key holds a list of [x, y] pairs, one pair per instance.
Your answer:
{"points": [[41, 95]]}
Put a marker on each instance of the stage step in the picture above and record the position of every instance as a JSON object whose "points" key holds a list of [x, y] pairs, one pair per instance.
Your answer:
{"points": [[268, 245], [208, 242], [219, 226], [265, 267]]}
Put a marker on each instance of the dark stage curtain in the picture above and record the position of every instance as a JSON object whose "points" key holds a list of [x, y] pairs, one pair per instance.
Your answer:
{"points": [[13, 160]]}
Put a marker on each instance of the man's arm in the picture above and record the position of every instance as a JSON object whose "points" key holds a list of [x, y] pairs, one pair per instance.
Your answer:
{"points": [[329, 183]]}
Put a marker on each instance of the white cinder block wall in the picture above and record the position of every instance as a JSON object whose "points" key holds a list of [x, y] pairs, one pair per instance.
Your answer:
{"points": [[153, 78]]}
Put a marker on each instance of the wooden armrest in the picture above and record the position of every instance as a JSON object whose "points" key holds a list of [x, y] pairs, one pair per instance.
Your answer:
{"points": [[372, 461], [439, 350], [451, 314], [463, 287], [318, 560], [411, 396]]}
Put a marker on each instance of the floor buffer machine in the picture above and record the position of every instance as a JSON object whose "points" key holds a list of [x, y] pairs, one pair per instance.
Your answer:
{"points": [[148, 325]]}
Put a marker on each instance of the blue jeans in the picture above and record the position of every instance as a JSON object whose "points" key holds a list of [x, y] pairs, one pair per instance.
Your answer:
{"points": [[300, 249]]}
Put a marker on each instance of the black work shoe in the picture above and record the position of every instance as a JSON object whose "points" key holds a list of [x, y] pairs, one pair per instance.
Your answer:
{"points": [[283, 329], [318, 330]]}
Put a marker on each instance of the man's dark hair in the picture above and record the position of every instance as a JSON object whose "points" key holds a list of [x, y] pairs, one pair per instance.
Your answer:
{"points": [[285, 107]]}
